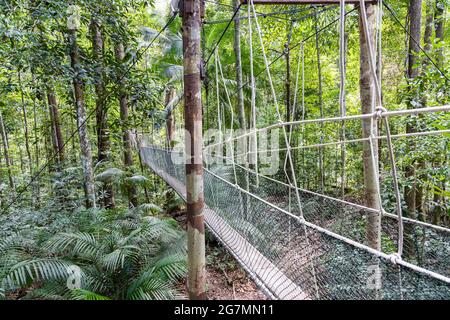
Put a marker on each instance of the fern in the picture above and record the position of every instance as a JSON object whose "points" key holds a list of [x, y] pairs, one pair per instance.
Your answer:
{"points": [[81, 244], [45, 269], [110, 175], [124, 255], [82, 294]]}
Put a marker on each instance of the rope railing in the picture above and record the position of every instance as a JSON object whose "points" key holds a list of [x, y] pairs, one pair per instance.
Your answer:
{"points": [[272, 245], [376, 114]]}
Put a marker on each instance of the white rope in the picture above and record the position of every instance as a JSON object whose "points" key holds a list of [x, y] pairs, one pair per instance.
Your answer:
{"points": [[339, 237], [395, 113], [274, 95], [219, 120], [232, 116], [333, 143], [362, 207], [285, 139]]}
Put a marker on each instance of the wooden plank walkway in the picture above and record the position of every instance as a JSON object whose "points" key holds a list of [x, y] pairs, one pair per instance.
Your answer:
{"points": [[262, 270]]}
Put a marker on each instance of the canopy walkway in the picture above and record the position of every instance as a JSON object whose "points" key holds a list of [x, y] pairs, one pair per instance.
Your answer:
{"points": [[297, 243], [294, 258]]}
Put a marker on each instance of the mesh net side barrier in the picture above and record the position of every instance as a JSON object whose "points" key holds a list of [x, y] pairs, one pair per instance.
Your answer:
{"points": [[293, 259]]}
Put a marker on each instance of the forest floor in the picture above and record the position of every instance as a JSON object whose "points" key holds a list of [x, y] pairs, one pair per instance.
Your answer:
{"points": [[226, 280]]}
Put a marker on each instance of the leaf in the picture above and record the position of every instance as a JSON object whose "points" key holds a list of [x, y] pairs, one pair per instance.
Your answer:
{"points": [[82, 294], [110, 175]]}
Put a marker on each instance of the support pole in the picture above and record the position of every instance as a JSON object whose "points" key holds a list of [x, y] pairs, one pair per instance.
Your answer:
{"points": [[191, 13]]}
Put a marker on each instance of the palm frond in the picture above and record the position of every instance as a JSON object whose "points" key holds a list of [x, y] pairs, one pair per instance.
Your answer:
{"points": [[137, 180], [149, 286], [173, 267], [149, 207], [82, 294], [80, 244], [45, 269], [110, 175]]}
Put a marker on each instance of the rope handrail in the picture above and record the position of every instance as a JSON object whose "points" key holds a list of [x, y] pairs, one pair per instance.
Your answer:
{"points": [[395, 113], [392, 259]]}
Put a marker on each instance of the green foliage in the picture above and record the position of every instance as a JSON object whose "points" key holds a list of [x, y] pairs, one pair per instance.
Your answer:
{"points": [[122, 256]]}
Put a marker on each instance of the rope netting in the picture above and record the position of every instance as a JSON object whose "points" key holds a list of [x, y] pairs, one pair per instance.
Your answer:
{"points": [[310, 261], [296, 230]]}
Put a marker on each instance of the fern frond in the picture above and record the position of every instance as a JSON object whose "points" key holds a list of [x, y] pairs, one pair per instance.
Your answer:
{"points": [[81, 244], [82, 294], [25, 272], [149, 208], [110, 175], [137, 180], [172, 267]]}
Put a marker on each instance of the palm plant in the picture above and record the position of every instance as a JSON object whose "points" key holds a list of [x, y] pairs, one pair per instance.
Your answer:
{"points": [[117, 256]]}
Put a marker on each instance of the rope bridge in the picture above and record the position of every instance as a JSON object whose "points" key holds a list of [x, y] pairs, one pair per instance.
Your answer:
{"points": [[301, 244], [294, 258]]}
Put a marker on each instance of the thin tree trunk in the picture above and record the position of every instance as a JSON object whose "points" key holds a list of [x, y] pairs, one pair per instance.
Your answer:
{"points": [[319, 72], [86, 153], [6, 153], [126, 137], [25, 125], [36, 96], [438, 197], [194, 143], [55, 125], [237, 54], [439, 28], [103, 143], [369, 127], [100, 107], [422, 177], [415, 19]]}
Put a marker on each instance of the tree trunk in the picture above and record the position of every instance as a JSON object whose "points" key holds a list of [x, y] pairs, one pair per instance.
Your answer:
{"points": [[369, 127], [415, 19], [319, 73], [86, 153], [237, 54], [100, 107], [194, 166], [439, 28], [422, 177], [25, 125], [126, 137], [103, 143], [36, 96], [6, 153], [55, 126]]}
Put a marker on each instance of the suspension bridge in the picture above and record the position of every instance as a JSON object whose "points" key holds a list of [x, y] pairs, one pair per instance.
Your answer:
{"points": [[297, 243]]}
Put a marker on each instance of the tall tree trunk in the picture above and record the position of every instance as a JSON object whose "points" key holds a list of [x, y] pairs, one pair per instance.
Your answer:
{"points": [[55, 126], [415, 20], [439, 28], [25, 125], [86, 153], [126, 137], [319, 73], [194, 144], [421, 165], [170, 120], [36, 97], [237, 54], [439, 198], [6, 153], [369, 127], [103, 143], [100, 107]]}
